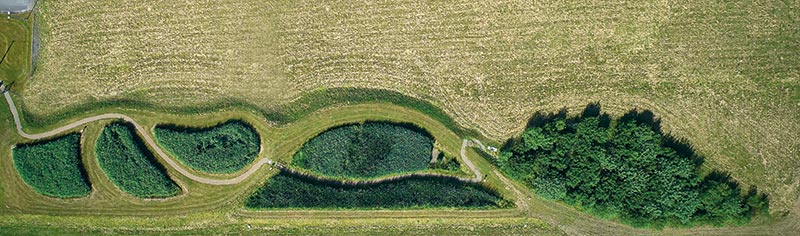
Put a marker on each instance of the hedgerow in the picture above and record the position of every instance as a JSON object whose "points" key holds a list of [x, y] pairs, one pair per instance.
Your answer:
{"points": [[366, 150], [53, 167], [625, 169], [127, 162], [287, 191], [225, 148]]}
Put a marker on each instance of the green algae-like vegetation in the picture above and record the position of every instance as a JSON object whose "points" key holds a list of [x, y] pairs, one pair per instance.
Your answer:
{"points": [[126, 161], [225, 148], [289, 191], [365, 150], [53, 167]]}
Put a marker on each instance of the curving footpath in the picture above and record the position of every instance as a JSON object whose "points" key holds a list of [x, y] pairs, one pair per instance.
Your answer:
{"points": [[142, 132], [161, 154], [520, 196]]}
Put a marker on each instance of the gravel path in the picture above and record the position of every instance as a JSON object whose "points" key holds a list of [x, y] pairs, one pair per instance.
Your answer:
{"points": [[145, 136], [161, 154]]}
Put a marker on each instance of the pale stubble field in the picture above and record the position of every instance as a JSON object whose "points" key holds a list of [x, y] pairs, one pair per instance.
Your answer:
{"points": [[724, 76]]}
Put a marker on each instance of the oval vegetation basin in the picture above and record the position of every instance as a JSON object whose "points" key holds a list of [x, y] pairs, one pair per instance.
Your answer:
{"points": [[366, 150], [130, 165], [289, 191], [53, 167], [225, 148]]}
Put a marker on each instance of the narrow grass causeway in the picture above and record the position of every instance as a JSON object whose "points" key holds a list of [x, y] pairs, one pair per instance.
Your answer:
{"points": [[365, 150], [127, 162], [53, 167], [225, 148], [291, 191]]}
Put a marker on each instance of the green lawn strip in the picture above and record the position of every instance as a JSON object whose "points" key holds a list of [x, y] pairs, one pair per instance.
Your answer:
{"points": [[290, 191], [16, 65], [225, 148], [127, 162], [367, 149], [218, 225], [625, 169], [53, 167], [285, 114]]}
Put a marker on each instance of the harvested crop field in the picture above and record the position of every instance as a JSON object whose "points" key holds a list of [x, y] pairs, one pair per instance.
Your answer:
{"points": [[724, 76]]}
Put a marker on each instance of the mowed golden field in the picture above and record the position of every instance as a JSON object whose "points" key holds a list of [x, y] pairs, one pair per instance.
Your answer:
{"points": [[723, 76]]}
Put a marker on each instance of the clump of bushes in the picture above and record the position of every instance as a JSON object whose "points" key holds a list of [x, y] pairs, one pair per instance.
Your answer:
{"points": [[53, 167], [446, 162], [625, 169], [287, 191], [124, 158], [366, 150], [225, 148]]}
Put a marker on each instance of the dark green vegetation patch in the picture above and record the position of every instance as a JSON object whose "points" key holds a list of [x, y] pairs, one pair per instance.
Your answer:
{"points": [[129, 164], [225, 148], [366, 150], [288, 191], [53, 167], [625, 169]]}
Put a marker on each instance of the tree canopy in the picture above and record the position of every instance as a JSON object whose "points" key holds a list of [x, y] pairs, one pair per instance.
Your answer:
{"points": [[626, 169]]}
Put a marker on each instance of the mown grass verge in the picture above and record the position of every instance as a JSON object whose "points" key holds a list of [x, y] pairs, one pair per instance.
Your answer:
{"points": [[294, 191], [281, 115], [53, 167], [225, 148], [126, 161], [366, 150]]}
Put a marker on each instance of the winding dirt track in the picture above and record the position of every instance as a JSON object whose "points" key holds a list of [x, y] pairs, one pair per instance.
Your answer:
{"points": [[145, 134], [142, 132]]}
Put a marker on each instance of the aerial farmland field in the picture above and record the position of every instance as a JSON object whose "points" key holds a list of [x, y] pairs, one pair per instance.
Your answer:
{"points": [[396, 117]]}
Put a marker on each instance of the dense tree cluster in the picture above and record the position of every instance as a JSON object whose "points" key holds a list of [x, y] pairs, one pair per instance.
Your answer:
{"points": [[225, 148], [624, 169], [366, 150], [130, 166], [287, 191], [53, 167]]}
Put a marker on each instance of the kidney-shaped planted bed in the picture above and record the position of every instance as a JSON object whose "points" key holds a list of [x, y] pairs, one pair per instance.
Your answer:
{"points": [[366, 150], [130, 165], [225, 148], [369, 150]]}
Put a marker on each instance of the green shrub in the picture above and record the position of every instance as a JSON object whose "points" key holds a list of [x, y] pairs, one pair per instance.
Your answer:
{"points": [[225, 148], [128, 163], [624, 168], [53, 167], [446, 162], [366, 150], [286, 191]]}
